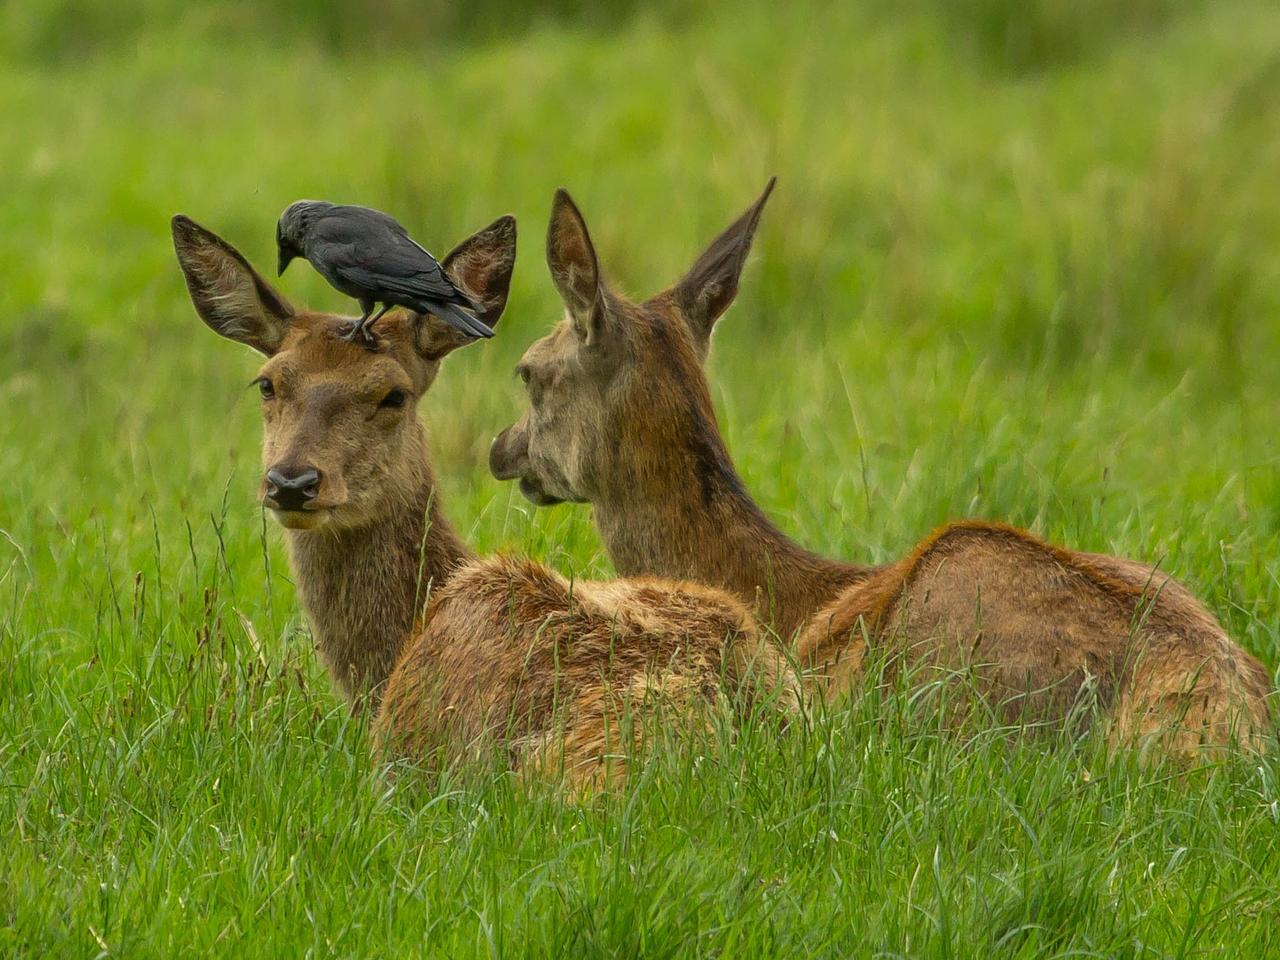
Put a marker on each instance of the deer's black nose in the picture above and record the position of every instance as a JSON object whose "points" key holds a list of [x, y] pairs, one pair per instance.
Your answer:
{"points": [[291, 488]]}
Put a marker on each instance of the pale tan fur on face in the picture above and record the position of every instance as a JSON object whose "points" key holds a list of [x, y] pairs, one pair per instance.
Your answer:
{"points": [[328, 413]]}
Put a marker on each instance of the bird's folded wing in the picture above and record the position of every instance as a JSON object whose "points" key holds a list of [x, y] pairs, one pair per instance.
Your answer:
{"points": [[387, 262], [418, 286]]}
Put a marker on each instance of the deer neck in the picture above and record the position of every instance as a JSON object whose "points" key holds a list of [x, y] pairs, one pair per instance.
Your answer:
{"points": [[363, 589], [685, 514]]}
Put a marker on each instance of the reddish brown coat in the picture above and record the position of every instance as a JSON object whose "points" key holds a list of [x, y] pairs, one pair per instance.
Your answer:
{"points": [[620, 416], [506, 653]]}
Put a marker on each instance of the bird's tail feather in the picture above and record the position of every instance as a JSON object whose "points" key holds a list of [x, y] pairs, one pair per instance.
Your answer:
{"points": [[461, 320]]}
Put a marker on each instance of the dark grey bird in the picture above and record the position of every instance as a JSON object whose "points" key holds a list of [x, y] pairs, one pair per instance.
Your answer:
{"points": [[366, 254]]}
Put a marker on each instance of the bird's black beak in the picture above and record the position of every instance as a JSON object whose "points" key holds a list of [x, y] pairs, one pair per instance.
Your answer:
{"points": [[285, 257]]}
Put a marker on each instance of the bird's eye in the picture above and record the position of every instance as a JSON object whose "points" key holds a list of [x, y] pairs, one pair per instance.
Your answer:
{"points": [[393, 400], [266, 388]]}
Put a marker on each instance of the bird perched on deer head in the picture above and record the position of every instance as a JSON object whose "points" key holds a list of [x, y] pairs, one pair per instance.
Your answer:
{"points": [[366, 254]]}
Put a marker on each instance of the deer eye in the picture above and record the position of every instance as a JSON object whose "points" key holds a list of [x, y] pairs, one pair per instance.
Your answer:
{"points": [[393, 400], [266, 388]]}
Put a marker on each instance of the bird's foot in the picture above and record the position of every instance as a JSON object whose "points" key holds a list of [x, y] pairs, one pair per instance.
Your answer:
{"points": [[360, 332]]}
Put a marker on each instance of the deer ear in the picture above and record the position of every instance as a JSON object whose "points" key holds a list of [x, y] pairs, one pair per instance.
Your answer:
{"points": [[574, 268], [709, 287], [480, 266], [229, 295]]}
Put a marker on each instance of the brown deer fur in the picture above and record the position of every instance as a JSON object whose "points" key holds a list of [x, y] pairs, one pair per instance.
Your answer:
{"points": [[620, 416], [462, 653]]}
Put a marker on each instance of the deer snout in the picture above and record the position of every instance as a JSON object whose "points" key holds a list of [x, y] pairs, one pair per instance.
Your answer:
{"points": [[509, 454], [291, 488]]}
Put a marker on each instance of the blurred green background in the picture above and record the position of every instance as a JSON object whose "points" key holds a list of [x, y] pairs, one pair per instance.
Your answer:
{"points": [[1023, 263]]}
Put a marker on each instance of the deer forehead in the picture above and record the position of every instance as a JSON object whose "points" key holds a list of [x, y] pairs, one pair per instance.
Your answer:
{"points": [[559, 343], [315, 351], [304, 371]]}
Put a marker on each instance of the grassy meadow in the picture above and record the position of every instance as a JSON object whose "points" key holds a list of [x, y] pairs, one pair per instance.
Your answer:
{"points": [[1023, 263]]}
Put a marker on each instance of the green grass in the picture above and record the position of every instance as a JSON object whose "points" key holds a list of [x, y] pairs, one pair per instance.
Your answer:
{"points": [[1022, 264]]}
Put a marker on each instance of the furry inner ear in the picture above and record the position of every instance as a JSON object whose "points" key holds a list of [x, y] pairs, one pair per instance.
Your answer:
{"points": [[481, 267], [574, 268], [709, 287], [228, 294]]}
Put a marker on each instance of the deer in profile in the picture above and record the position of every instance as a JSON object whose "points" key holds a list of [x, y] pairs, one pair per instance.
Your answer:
{"points": [[454, 652], [619, 415]]}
